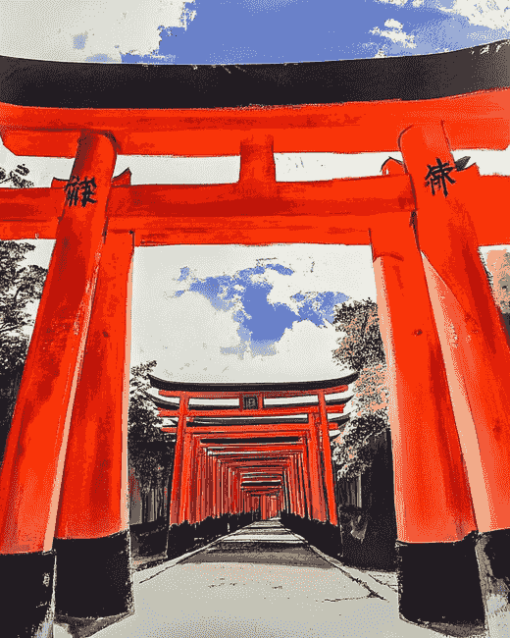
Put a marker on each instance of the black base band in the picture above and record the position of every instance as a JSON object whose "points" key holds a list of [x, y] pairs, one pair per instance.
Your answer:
{"points": [[93, 576], [27, 595], [439, 582], [493, 555]]}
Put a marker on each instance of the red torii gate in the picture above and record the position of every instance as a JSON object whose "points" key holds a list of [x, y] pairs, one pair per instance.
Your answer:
{"points": [[63, 479], [213, 435]]}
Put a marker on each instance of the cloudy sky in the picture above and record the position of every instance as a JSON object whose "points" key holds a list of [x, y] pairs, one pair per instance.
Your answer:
{"points": [[244, 31], [231, 312]]}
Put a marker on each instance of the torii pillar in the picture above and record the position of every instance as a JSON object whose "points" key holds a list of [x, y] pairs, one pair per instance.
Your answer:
{"points": [[438, 578], [92, 536], [34, 459], [475, 346]]}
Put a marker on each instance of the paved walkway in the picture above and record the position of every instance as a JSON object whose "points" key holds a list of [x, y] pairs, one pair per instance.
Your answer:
{"points": [[265, 582]]}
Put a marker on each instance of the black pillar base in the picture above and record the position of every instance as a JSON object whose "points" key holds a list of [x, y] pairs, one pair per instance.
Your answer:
{"points": [[27, 600], [93, 576], [439, 582], [493, 554]]}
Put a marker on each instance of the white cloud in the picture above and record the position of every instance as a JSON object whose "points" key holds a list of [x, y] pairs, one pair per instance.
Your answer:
{"points": [[494, 14], [396, 34], [401, 3], [398, 3], [80, 31], [186, 335]]}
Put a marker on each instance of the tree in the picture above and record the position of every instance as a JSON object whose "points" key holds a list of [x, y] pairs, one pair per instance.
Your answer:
{"points": [[362, 344], [20, 287], [361, 349], [150, 451]]}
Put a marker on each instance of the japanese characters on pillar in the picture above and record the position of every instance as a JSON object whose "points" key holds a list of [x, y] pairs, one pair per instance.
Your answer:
{"points": [[473, 336]]}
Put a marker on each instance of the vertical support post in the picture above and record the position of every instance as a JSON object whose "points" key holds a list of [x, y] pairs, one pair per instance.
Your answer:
{"points": [[31, 473], [474, 341], [299, 490], [186, 480], [314, 470], [432, 498], [92, 534], [328, 463], [215, 486], [307, 479], [175, 502]]}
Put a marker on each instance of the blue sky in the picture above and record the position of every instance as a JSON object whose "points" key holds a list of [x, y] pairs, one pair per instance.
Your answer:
{"points": [[261, 322], [245, 31], [270, 31]]}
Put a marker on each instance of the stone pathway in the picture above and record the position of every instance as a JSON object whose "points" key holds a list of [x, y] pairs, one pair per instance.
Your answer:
{"points": [[263, 581]]}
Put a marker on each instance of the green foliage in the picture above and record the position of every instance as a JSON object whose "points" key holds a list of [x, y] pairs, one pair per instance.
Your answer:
{"points": [[354, 456], [362, 346], [150, 452], [20, 287], [361, 349]]}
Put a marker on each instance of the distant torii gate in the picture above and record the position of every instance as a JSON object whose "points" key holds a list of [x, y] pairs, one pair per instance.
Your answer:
{"points": [[225, 432], [64, 476]]}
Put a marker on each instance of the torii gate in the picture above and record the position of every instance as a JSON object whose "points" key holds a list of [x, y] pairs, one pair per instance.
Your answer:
{"points": [[216, 438], [64, 476]]}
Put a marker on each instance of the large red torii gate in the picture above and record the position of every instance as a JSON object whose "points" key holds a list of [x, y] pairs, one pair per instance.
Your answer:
{"points": [[63, 480]]}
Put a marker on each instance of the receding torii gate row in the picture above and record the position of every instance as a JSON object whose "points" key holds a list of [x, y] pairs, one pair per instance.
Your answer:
{"points": [[251, 424], [64, 474]]}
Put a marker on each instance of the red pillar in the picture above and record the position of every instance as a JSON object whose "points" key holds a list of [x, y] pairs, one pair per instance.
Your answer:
{"points": [[314, 470], [34, 459], [432, 498], [93, 519], [326, 455], [186, 480], [474, 341], [175, 501], [307, 478]]}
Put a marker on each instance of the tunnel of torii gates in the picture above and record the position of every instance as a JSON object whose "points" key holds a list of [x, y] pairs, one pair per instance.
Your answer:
{"points": [[63, 481], [253, 447]]}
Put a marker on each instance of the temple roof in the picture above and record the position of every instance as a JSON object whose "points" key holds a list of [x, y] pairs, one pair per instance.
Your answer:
{"points": [[289, 386], [42, 83]]}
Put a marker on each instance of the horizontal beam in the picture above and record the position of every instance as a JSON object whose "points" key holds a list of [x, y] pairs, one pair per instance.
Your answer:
{"points": [[262, 413], [333, 212], [472, 120]]}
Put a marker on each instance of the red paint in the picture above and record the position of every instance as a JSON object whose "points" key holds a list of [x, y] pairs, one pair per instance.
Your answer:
{"points": [[478, 356], [34, 459], [93, 502], [474, 120]]}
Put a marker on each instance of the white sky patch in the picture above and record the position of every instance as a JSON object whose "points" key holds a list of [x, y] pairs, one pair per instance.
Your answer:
{"points": [[395, 32], [81, 31], [401, 3], [398, 3], [298, 167], [494, 14]]}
